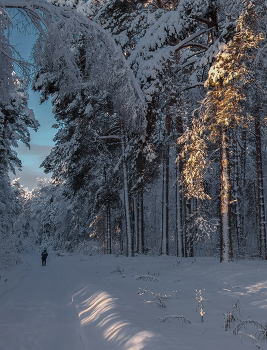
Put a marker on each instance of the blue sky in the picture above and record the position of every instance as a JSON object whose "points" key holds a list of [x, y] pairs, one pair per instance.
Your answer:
{"points": [[42, 140]]}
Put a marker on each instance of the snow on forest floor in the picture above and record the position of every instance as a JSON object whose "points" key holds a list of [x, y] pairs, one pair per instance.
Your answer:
{"points": [[109, 302]]}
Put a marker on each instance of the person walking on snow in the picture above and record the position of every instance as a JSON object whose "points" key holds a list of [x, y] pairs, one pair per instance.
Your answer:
{"points": [[44, 256]]}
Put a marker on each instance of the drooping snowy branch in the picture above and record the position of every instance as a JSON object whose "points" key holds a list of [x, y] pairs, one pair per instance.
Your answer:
{"points": [[45, 16]]}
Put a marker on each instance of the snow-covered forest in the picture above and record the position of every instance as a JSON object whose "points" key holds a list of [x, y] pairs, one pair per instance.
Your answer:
{"points": [[160, 111]]}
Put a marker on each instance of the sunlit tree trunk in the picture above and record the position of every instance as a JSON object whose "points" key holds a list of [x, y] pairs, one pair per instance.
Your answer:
{"points": [[178, 206], [225, 227], [262, 224], [178, 215]]}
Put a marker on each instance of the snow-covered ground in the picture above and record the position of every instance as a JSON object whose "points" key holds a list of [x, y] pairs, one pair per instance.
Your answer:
{"points": [[109, 302]]}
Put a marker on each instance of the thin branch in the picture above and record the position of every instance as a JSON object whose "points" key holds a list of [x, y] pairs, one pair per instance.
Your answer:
{"points": [[110, 137], [205, 21], [188, 41], [201, 46], [192, 86]]}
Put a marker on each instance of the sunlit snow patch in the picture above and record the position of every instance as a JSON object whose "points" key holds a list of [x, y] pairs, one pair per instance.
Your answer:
{"points": [[261, 288], [97, 311], [258, 287]]}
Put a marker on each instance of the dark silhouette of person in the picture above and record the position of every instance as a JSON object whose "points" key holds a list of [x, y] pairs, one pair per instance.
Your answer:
{"points": [[44, 256]]}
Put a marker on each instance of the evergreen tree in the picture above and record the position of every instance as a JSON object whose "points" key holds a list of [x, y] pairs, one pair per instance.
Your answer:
{"points": [[223, 110]]}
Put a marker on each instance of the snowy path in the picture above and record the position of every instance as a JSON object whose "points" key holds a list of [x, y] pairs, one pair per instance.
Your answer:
{"points": [[37, 314], [58, 307], [116, 303]]}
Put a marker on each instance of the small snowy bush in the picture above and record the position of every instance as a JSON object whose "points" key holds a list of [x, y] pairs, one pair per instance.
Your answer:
{"points": [[172, 318], [9, 252], [257, 331]]}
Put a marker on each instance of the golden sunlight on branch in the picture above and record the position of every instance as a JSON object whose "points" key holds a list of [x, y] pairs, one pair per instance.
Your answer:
{"points": [[194, 151]]}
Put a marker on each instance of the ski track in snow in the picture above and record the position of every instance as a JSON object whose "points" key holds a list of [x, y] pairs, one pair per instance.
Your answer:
{"points": [[108, 303], [40, 313], [14, 285], [36, 314]]}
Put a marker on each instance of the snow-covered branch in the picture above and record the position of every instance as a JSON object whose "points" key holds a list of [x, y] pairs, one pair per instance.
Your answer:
{"points": [[43, 14]]}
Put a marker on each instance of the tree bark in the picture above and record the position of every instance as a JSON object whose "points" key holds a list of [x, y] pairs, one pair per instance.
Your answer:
{"points": [[178, 215], [236, 198], [165, 190], [165, 204], [243, 177], [179, 202], [262, 223], [129, 251], [188, 228], [108, 223], [225, 227], [108, 229], [141, 247], [136, 223]]}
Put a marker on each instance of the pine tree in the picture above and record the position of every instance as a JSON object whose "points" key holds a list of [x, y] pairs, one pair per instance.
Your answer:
{"points": [[223, 110]]}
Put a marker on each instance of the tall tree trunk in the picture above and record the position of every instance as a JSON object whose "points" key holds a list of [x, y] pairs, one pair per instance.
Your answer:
{"points": [[130, 251], [243, 178], [108, 222], [165, 190], [235, 196], [188, 228], [165, 204], [225, 229], [136, 223], [184, 227], [141, 247], [108, 229], [179, 202], [262, 223], [178, 214], [193, 231]]}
